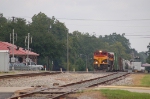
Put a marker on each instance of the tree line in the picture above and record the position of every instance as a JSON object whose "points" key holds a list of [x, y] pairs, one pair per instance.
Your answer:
{"points": [[50, 41]]}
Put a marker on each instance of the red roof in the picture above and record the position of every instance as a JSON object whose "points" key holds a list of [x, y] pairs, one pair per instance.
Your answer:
{"points": [[146, 65], [21, 51]]}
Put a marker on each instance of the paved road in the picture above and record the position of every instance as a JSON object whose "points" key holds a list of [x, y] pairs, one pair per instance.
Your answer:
{"points": [[6, 92], [5, 95]]}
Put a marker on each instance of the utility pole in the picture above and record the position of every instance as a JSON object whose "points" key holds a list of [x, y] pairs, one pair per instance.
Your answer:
{"points": [[13, 59], [13, 43], [29, 41], [67, 53], [86, 62], [12, 47], [52, 65], [12, 37], [28, 46]]}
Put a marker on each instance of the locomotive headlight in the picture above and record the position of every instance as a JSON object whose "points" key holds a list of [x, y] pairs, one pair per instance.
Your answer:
{"points": [[96, 62]]}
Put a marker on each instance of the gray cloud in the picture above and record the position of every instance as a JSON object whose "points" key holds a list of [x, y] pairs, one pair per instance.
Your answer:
{"points": [[90, 9]]}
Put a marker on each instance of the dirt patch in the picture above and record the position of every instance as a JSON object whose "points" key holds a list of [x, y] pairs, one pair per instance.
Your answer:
{"points": [[136, 79], [86, 94], [130, 80]]}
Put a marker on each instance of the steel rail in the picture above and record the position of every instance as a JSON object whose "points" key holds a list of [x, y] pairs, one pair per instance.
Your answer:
{"points": [[55, 93], [91, 82], [28, 74], [86, 80]]}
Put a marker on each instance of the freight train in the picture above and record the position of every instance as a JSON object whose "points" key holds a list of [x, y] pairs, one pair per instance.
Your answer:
{"points": [[109, 61]]}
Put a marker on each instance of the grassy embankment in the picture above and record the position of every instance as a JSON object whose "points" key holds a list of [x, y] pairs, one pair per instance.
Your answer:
{"points": [[145, 81], [122, 94]]}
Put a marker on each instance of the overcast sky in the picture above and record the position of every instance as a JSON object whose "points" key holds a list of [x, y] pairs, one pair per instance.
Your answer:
{"points": [[99, 17]]}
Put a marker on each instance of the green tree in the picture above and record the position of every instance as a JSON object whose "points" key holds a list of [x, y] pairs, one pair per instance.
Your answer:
{"points": [[50, 41], [143, 57], [51, 37]]}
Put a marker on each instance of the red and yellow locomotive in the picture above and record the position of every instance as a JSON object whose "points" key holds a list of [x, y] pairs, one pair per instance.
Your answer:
{"points": [[103, 60]]}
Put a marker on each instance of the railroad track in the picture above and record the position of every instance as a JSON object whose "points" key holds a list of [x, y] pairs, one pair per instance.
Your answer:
{"points": [[28, 74], [60, 91]]}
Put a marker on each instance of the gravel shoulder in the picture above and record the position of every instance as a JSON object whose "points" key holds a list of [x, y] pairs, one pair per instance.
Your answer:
{"points": [[19, 83], [131, 80], [130, 83], [48, 80], [15, 84]]}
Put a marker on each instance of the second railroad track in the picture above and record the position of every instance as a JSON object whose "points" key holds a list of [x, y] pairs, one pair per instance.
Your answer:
{"points": [[59, 91]]}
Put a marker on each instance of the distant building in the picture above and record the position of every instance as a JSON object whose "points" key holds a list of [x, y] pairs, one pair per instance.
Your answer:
{"points": [[19, 53]]}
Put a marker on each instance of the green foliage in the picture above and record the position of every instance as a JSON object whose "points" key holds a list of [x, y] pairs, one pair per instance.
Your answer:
{"points": [[122, 94], [3, 28], [146, 81], [148, 53], [143, 57], [80, 65], [147, 68], [50, 41], [113, 38], [148, 59]]}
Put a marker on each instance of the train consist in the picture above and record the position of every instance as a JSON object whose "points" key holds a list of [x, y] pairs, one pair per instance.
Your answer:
{"points": [[103, 60], [109, 61]]}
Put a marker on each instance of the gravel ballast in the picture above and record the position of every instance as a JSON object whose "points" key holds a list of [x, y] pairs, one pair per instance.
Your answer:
{"points": [[48, 80]]}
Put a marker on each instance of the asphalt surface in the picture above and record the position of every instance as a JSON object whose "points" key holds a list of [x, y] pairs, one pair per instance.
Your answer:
{"points": [[6, 92], [5, 95]]}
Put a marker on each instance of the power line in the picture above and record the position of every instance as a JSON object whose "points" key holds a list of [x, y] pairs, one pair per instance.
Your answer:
{"points": [[78, 19], [137, 35], [145, 37], [104, 20], [104, 25]]}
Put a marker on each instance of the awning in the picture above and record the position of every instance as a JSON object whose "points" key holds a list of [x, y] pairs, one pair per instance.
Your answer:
{"points": [[20, 51], [146, 65]]}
